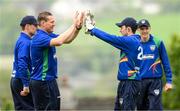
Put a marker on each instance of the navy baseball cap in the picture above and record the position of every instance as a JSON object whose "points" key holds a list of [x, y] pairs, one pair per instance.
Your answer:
{"points": [[144, 22], [28, 20], [128, 21]]}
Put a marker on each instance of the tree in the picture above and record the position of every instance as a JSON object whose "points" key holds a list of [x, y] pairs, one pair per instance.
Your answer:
{"points": [[171, 99]]}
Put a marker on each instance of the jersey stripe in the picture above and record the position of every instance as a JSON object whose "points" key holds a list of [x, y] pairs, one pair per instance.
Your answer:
{"points": [[45, 64]]}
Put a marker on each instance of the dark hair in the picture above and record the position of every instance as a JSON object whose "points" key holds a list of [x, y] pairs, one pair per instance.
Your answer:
{"points": [[29, 19], [43, 16], [134, 29], [23, 27]]}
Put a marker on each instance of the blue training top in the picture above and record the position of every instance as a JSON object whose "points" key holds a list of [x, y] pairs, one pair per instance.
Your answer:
{"points": [[43, 56], [131, 47], [155, 56], [22, 62]]}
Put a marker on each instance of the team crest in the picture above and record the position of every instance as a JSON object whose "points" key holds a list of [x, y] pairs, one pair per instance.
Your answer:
{"points": [[121, 100], [156, 91], [152, 47]]}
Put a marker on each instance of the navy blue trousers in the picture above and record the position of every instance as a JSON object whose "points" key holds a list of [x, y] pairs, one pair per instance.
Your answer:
{"points": [[127, 94], [151, 94], [46, 95], [20, 102]]}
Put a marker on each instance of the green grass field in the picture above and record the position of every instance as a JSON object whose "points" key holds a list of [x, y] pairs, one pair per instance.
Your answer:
{"points": [[163, 26], [5, 93]]}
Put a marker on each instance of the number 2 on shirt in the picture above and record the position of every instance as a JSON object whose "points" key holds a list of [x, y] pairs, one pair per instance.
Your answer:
{"points": [[140, 54]]}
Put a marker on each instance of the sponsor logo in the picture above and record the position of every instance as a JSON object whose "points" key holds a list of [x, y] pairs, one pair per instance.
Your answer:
{"points": [[148, 56], [156, 91]]}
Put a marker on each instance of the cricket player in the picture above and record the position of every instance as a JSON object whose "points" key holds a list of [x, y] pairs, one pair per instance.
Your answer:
{"points": [[43, 83], [130, 60], [22, 66], [154, 57]]}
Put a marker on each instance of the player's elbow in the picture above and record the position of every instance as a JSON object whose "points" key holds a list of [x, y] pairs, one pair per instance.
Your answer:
{"points": [[69, 41], [55, 43]]}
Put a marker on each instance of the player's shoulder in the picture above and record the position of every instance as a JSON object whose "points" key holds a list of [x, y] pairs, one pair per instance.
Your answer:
{"points": [[23, 40], [38, 36], [156, 39], [135, 37], [53, 35]]}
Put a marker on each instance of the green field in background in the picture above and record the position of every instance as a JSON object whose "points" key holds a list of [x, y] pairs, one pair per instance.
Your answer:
{"points": [[5, 93], [163, 26]]}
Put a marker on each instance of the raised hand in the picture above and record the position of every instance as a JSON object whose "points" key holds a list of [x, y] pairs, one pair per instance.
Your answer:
{"points": [[78, 20]]}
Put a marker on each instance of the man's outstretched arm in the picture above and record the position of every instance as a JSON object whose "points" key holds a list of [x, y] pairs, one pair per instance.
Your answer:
{"points": [[71, 33]]}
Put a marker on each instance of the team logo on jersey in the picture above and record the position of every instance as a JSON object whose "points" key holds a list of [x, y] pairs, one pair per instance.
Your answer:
{"points": [[156, 91], [152, 47], [148, 56], [121, 100]]}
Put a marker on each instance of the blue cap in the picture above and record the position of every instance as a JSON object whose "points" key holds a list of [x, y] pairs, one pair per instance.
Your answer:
{"points": [[143, 23], [128, 21], [28, 20]]}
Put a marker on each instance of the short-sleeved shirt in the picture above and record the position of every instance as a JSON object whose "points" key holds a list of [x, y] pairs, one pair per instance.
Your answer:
{"points": [[43, 56]]}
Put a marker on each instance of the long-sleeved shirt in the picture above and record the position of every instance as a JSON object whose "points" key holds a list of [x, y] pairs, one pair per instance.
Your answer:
{"points": [[22, 62], [43, 56], [154, 57], [130, 45]]}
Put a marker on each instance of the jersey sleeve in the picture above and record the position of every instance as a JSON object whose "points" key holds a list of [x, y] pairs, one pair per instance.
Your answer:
{"points": [[23, 61], [165, 62], [43, 41], [53, 35], [120, 42]]}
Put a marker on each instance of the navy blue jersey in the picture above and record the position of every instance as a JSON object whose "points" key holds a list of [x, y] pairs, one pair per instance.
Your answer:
{"points": [[132, 53], [154, 57], [22, 62], [43, 56]]}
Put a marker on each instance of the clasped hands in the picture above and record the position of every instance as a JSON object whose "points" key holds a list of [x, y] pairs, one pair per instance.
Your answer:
{"points": [[85, 17]]}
